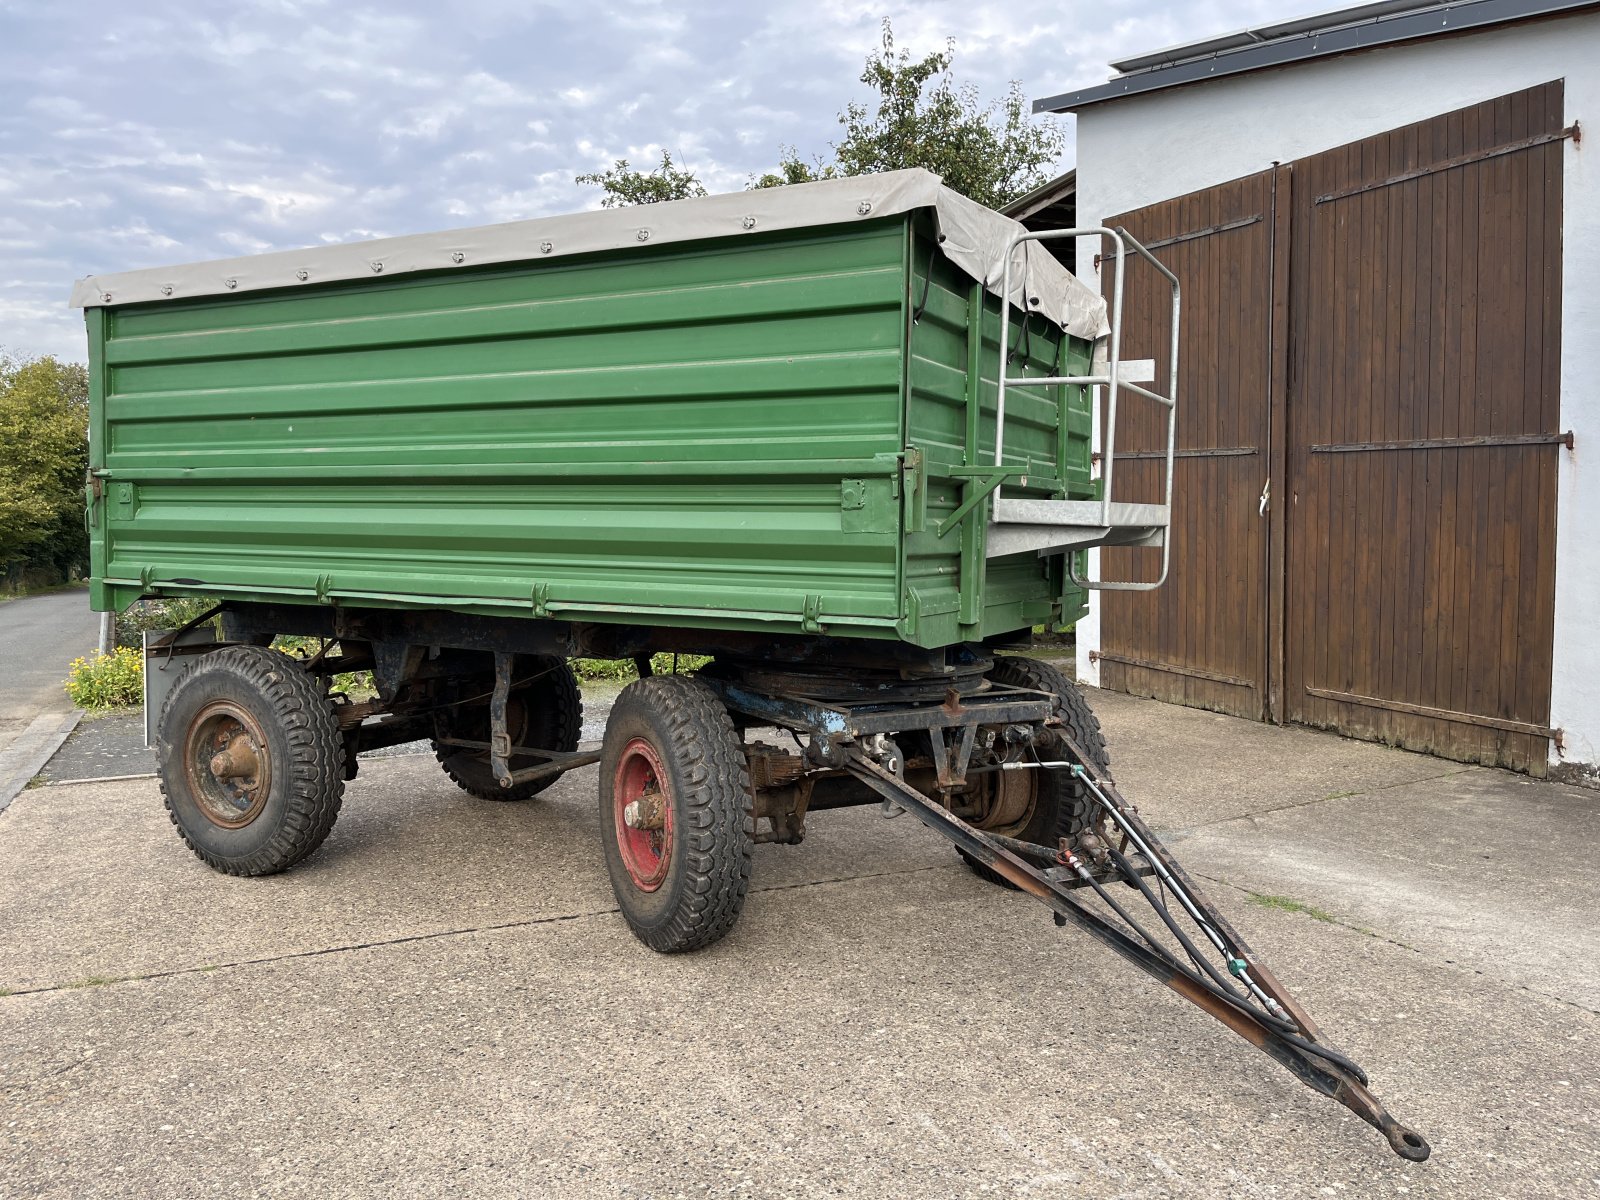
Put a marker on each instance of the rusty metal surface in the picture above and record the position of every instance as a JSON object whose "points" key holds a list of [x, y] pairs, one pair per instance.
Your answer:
{"points": [[227, 767]]}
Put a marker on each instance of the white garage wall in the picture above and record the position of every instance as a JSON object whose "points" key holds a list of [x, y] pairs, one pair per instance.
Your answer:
{"points": [[1149, 148]]}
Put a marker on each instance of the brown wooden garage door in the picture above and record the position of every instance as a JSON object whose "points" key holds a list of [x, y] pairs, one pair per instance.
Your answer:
{"points": [[1201, 639], [1383, 343]]}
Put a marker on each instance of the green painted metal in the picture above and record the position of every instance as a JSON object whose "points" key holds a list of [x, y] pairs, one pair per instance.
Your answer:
{"points": [[763, 434]]}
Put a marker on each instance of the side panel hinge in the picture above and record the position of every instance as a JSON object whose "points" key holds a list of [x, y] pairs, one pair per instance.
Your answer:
{"points": [[811, 616]]}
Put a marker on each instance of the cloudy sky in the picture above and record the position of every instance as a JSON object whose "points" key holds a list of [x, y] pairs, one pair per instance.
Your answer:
{"points": [[135, 133]]}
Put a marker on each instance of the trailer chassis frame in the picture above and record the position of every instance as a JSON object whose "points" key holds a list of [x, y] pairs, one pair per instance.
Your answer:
{"points": [[850, 720]]}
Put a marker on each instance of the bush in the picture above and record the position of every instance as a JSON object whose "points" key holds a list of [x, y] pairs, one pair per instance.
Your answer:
{"points": [[114, 680], [591, 670], [358, 685], [144, 616]]}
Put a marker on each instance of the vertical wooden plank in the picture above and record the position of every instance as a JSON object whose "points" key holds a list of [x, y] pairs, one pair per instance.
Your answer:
{"points": [[1276, 569], [1209, 619]]}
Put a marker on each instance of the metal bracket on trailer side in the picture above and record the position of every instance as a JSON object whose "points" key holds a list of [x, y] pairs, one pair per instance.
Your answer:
{"points": [[1261, 1011]]}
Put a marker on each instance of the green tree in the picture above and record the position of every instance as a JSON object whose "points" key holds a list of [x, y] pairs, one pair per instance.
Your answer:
{"points": [[922, 118], [44, 452], [625, 186]]}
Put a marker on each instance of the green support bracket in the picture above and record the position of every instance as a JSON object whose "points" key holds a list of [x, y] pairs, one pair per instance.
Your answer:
{"points": [[541, 599], [979, 483]]}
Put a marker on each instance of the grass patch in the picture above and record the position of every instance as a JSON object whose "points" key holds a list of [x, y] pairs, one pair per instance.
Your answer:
{"points": [[47, 590], [5, 991], [38, 781], [1290, 904], [100, 714], [89, 981]]}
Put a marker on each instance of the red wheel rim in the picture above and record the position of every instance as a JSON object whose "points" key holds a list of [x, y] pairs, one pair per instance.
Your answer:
{"points": [[642, 808]]}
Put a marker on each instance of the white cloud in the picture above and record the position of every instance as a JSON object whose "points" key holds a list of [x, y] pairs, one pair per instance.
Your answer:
{"points": [[132, 135]]}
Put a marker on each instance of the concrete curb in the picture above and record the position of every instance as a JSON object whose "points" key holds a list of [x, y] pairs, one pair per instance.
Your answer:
{"points": [[34, 747]]}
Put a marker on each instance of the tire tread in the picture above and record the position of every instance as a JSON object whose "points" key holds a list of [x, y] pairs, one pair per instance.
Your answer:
{"points": [[315, 766], [709, 757]]}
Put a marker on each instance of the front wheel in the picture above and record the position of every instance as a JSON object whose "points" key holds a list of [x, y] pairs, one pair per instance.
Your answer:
{"points": [[675, 813], [250, 760], [1040, 806]]}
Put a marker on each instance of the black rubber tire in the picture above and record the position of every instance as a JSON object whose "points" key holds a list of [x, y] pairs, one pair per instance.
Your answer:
{"points": [[708, 859], [1062, 807], [553, 709], [304, 749]]}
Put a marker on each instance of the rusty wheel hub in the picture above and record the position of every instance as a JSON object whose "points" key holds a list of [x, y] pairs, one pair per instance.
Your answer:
{"points": [[643, 810], [1005, 801], [229, 771]]}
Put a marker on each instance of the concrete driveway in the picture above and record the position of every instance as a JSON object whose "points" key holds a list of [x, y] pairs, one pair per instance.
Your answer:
{"points": [[39, 638], [443, 1001]]}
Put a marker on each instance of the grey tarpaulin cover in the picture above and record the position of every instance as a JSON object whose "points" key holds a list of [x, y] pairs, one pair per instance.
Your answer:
{"points": [[972, 236]]}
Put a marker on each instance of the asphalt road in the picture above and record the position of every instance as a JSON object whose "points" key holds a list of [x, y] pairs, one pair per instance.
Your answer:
{"points": [[39, 638], [444, 1000]]}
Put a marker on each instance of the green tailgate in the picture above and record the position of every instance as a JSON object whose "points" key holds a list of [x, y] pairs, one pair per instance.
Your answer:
{"points": [[709, 434]]}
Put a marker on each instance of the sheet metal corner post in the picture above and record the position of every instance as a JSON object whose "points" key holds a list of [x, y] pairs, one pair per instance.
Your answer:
{"points": [[97, 522], [973, 530]]}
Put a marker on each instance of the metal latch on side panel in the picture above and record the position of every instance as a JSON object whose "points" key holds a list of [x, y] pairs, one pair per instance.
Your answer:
{"points": [[124, 500], [914, 491], [541, 599], [94, 491]]}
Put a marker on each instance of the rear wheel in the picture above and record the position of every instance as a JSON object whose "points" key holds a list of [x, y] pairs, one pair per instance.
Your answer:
{"points": [[675, 813], [546, 712], [250, 760], [1040, 806]]}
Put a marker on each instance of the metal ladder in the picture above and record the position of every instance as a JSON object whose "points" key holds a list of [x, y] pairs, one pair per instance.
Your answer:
{"points": [[1065, 526]]}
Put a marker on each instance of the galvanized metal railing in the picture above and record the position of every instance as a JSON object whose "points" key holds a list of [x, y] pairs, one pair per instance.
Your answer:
{"points": [[1112, 381]]}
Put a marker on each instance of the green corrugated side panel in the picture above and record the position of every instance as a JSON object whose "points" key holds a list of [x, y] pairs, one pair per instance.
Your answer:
{"points": [[700, 435], [1017, 591]]}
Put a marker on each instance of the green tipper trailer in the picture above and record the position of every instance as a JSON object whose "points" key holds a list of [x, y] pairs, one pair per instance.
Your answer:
{"points": [[836, 437], [764, 429]]}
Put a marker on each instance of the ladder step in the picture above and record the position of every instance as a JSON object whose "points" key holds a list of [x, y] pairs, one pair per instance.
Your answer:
{"points": [[1057, 539], [1081, 513]]}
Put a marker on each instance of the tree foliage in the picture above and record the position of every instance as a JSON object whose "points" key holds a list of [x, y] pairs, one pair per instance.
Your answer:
{"points": [[624, 186], [919, 117], [922, 118], [44, 452]]}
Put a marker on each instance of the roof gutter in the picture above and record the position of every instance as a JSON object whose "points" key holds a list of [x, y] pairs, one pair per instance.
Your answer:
{"points": [[1367, 35]]}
